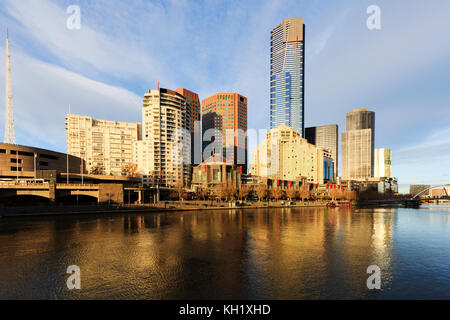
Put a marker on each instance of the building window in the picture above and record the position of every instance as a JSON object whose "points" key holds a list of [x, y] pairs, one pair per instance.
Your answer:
{"points": [[16, 169], [16, 160]]}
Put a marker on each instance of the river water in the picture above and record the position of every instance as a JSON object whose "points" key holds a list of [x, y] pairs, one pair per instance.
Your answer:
{"points": [[306, 253]]}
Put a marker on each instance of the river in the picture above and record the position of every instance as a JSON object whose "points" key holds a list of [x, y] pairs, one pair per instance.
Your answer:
{"points": [[304, 253]]}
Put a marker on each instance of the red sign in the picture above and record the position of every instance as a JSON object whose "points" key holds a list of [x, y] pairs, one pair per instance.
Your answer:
{"points": [[205, 168]]}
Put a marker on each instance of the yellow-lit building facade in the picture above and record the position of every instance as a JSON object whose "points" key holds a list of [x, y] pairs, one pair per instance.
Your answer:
{"points": [[285, 155]]}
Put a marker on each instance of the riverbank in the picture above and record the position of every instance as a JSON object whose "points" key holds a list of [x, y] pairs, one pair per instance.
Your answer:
{"points": [[158, 208]]}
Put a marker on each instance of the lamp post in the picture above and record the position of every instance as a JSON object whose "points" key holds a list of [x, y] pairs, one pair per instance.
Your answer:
{"points": [[35, 157], [82, 171]]}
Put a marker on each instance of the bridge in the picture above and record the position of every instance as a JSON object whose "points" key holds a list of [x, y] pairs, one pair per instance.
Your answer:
{"points": [[444, 196], [103, 193]]}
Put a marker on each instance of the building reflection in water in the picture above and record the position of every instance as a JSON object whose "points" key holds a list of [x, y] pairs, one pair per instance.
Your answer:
{"points": [[268, 253]]}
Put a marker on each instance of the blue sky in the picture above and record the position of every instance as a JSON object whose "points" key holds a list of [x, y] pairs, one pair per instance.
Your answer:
{"points": [[402, 72]]}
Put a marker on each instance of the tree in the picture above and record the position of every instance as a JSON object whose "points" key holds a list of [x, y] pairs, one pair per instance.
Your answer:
{"points": [[336, 194], [220, 191], [179, 189], [304, 193], [243, 192], [230, 192], [350, 195], [202, 194], [130, 170], [97, 170], [261, 191], [278, 193], [292, 193]]}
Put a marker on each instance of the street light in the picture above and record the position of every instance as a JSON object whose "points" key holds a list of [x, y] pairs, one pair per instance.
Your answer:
{"points": [[35, 157]]}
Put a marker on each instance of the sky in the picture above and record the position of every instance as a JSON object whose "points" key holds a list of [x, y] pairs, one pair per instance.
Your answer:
{"points": [[401, 71]]}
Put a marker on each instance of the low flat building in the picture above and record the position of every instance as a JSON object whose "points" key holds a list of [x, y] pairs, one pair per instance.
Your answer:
{"points": [[415, 189], [381, 185], [215, 171], [22, 162]]}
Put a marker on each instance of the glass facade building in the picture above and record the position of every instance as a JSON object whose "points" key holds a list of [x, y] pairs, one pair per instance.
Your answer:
{"points": [[287, 75]]}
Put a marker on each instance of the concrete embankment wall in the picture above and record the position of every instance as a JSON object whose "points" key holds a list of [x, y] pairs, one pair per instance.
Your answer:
{"points": [[167, 207]]}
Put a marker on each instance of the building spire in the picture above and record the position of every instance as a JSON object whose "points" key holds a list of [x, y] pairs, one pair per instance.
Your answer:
{"points": [[10, 135]]}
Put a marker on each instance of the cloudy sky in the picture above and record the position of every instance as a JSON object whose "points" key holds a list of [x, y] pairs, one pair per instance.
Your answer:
{"points": [[402, 72]]}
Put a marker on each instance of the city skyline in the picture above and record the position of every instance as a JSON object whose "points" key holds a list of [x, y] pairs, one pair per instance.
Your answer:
{"points": [[413, 150]]}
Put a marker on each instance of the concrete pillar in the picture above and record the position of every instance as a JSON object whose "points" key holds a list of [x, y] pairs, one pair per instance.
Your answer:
{"points": [[52, 192]]}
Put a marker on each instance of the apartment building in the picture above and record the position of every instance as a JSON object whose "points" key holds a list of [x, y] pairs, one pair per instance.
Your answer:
{"points": [[163, 155], [285, 155], [106, 146], [383, 163]]}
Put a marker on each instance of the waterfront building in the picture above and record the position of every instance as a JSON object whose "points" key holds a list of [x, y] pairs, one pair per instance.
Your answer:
{"points": [[415, 189], [358, 143], [326, 137], [224, 116], [106, 146], [285, 155], [163, 155], [380, 184], [287, 75], [383, 163], [215, 171], [196, 138], [439, 192], [23, 162]]}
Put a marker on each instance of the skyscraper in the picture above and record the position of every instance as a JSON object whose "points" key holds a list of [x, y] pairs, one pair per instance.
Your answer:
{"points": [[164, 154], [196, 138], [383, 163], [325, 137], [358, 145], [225, 116], [287, 75]]}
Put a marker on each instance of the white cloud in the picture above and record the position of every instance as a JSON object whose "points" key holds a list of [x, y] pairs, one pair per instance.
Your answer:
{"points": [[42, 93]]}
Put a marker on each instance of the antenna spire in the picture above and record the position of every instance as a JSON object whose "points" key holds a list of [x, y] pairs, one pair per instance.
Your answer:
{"points": [[10, 135]]}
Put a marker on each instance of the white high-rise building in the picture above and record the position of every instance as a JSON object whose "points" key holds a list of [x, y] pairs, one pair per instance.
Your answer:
{"points": [[164, 154], [106, 146], [383, 158]]}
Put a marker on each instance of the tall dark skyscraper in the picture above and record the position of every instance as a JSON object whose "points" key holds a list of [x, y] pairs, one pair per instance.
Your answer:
{"points": [[358, 145], [287, 75], [326, 137]]}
